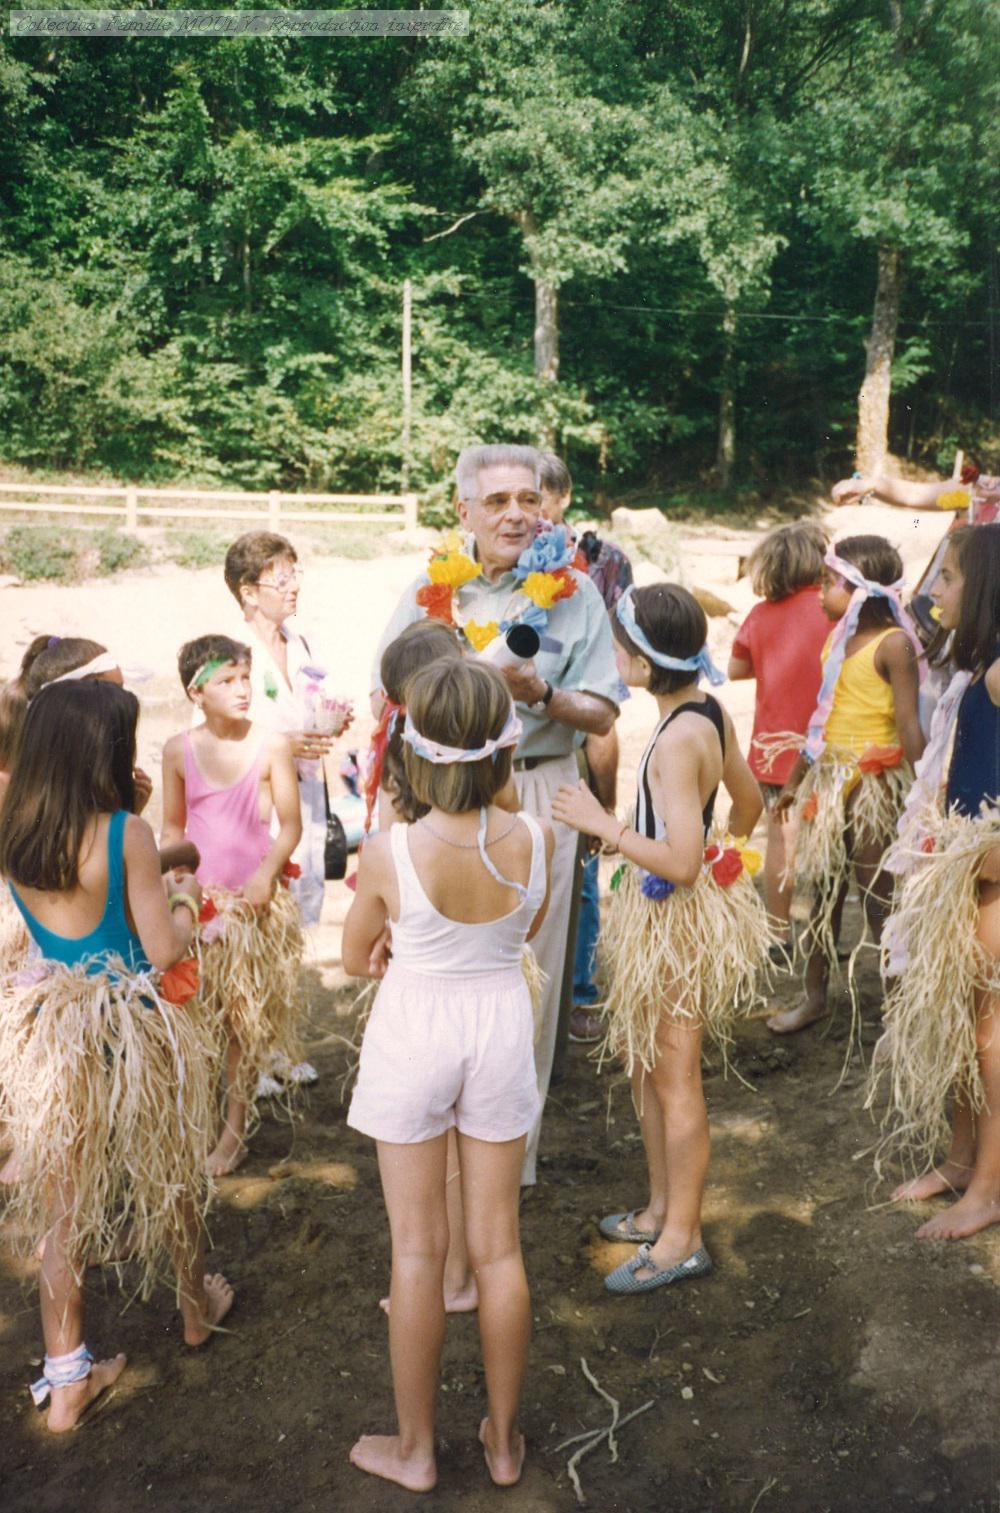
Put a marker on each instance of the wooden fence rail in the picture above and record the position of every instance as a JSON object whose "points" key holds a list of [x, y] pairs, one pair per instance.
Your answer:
{"points": [[272, 510]]}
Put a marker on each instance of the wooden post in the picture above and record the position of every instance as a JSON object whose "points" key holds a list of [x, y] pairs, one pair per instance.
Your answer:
{"points": [[410, 520], [131, 510], [404, 473], [273, 510], [956, 471]]}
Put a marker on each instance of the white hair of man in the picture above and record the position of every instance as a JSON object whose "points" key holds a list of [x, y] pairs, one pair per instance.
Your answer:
{"points": [[472, 461]]}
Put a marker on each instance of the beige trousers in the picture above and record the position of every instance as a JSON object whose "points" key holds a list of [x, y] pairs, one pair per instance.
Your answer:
{"points": [[537, 788]]}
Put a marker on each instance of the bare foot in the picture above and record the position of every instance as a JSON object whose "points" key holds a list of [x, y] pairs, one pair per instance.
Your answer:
{"points": [[69, 1404], [504, 1466], [461, 1300], [201, 1320], [229, 1154], [788, 1021], [949, 1177], [966, 1217], [380, 1455], [10, 1171]]}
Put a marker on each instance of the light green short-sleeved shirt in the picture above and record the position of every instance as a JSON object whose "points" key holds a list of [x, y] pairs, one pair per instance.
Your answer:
{"points": [[584, 663]]}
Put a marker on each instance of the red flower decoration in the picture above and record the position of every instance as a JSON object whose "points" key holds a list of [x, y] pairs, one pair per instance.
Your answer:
{"points": [[927, 844], [580, 562], [568, 584], [728, 868], [207, 911], [180, 982], [970, 473], [291, 869], [809, 807], [712, 853], [879, 758], [435, 598]]}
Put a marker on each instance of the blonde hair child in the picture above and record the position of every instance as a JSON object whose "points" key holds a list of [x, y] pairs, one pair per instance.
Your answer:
{"points": [[779, 645], [449, 1044]]}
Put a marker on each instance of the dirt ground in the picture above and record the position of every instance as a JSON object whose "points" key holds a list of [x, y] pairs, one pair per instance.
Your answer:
{"points": [[831, 1362]]}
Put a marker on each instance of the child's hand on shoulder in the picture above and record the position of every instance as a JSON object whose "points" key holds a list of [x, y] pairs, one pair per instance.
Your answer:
{"points": [[258, 889], [578, 808]]}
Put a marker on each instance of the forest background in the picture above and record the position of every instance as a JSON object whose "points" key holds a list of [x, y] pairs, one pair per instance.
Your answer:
{"points": [[669, 237]]}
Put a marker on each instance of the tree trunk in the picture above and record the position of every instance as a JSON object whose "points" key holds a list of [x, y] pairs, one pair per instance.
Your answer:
{"points": [[873, 400], [546, 331], [546, 309], [725, 455]]}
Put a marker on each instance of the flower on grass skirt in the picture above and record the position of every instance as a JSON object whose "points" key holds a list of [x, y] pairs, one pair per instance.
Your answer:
{"points": [[810, 807], [289, 872], [616, 878], [875, 759], [179, 983], [927, 844], [726, 865], [655, 887]]}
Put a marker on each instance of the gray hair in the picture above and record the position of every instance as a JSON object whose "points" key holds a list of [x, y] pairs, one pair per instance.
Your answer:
{"points": [[554, 474], [472, 460]]}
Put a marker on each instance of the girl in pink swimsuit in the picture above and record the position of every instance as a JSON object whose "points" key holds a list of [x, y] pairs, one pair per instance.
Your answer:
{"points": [[222, 783]]}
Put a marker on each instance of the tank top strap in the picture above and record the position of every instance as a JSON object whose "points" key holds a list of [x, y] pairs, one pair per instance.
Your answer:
{"points": [[116, 864], [410, 891], [536, 875], [645, 818]]}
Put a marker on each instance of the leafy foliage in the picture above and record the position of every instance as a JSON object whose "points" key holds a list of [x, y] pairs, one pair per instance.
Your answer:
{"points": [[203, 243]]}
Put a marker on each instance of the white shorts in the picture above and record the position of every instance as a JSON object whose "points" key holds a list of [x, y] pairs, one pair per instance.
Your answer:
{"points": [[440, 1052]]}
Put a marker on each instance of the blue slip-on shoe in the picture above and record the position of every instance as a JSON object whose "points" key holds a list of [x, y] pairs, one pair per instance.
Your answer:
{"points": [[623, 1227], [623, 1279]]}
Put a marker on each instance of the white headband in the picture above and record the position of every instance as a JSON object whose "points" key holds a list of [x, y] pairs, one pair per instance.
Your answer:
{"points": [[104, 662], [433, 751]]}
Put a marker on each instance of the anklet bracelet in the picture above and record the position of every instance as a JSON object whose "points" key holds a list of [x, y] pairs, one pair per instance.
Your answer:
{"points": [[187, 901]]}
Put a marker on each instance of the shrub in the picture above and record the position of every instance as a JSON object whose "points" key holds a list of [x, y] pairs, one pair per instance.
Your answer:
{"points": [[117, 551], [42, 551]]}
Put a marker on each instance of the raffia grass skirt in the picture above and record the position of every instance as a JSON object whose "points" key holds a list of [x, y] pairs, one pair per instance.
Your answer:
{"points": [[928, 1054], [700, 954], [836, 798], [106, 1094], [14, 938], [250, 979]]}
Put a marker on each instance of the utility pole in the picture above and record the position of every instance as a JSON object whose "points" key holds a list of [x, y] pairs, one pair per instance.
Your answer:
{"points": [[407, 381]]}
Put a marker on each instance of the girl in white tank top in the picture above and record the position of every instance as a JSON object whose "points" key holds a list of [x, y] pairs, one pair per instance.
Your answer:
{"points": [[449, 1046]]}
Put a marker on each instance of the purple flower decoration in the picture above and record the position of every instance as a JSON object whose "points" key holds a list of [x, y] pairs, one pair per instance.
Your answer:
{"points": [[550, 549], [655, 887]]}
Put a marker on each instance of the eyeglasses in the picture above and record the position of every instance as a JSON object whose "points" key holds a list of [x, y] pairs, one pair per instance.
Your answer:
{"points": [[281, 584], [525, 499]]}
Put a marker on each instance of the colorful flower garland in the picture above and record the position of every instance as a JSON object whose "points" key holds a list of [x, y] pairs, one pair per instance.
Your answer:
{"points": [[725, 863], [544, 572]]}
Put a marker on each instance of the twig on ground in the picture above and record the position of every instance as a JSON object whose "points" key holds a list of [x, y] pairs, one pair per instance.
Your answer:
{"points": [[769, 1485], [594, 1437]]}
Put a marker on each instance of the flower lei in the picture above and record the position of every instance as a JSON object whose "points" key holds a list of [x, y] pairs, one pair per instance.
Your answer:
{"points": [[543, 573], [724, 863]]}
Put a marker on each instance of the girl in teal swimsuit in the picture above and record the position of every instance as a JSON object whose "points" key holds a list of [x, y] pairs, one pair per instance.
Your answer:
{"points": [[104, 1076]]}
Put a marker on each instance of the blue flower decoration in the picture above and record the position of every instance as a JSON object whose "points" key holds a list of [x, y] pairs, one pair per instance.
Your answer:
{"points": [[550, 549], [655, 887]]}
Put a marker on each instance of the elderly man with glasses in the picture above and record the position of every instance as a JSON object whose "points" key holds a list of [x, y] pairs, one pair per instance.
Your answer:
{"points": [[568, 690]]}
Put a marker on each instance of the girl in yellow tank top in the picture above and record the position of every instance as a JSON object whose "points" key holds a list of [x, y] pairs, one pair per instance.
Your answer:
{"points": [[849, 783]]}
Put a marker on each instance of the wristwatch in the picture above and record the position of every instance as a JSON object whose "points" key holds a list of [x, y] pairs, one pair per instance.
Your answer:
{"points": [[545, 699]]}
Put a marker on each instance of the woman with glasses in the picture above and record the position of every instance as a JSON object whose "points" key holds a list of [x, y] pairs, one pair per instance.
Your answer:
{"points": [[263, 576]]}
